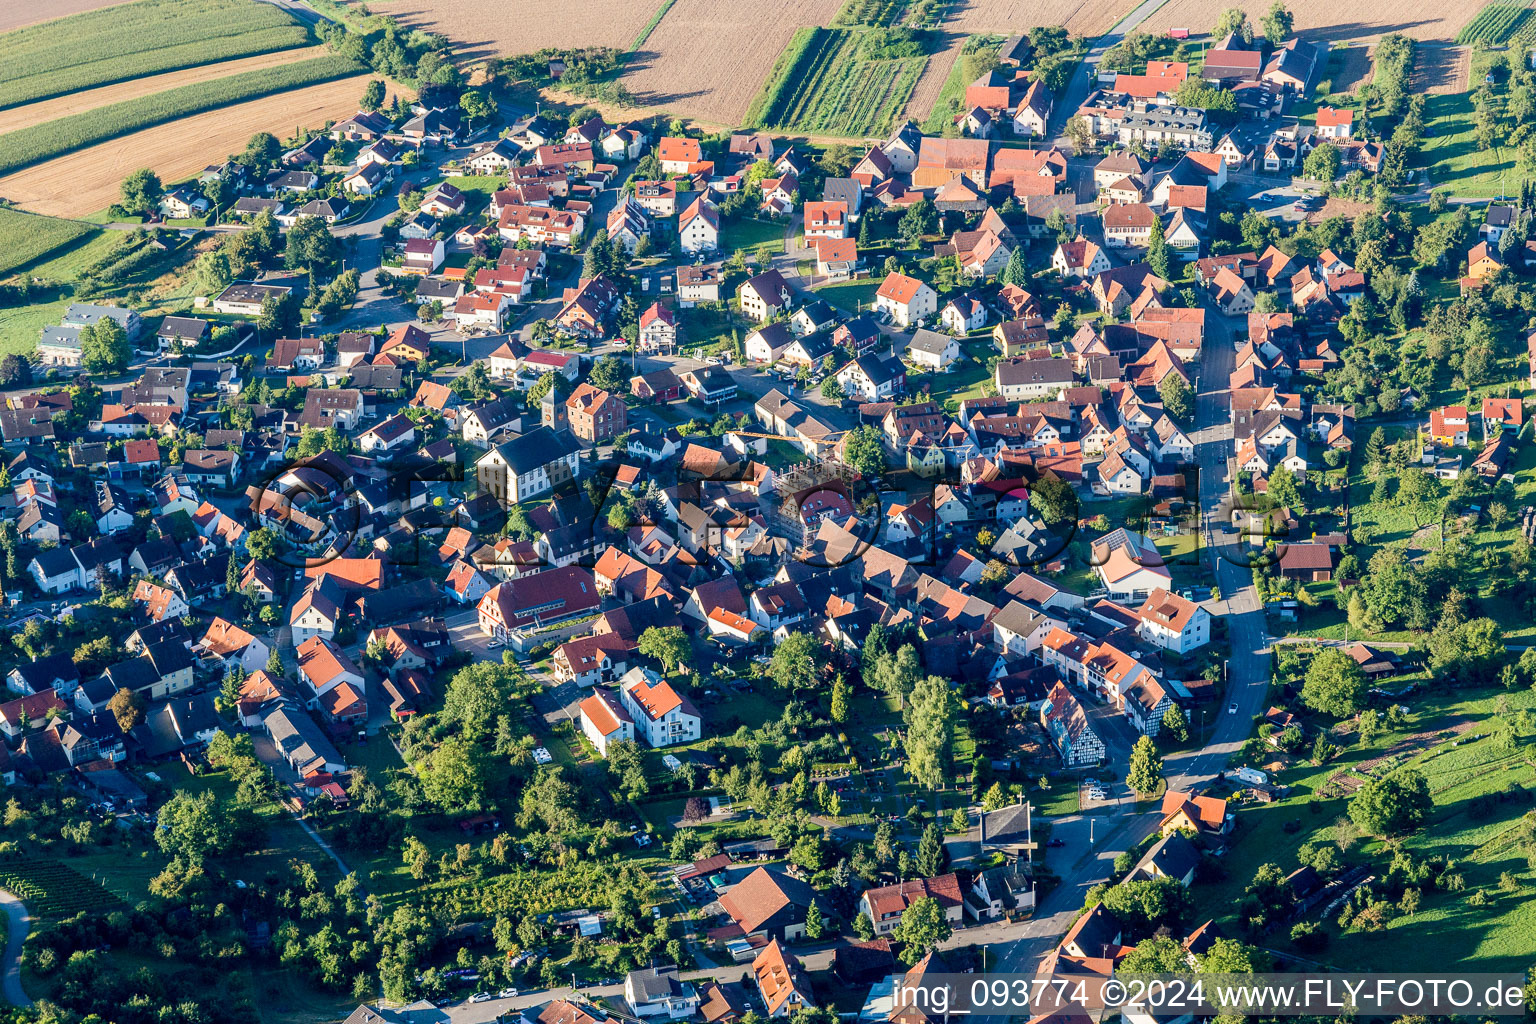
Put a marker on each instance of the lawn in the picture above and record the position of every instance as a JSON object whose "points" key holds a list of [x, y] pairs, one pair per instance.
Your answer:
{"points": [[22, 326], [477, 189], [1450, 151], [745, 234], [130, 41], [26, 238], [850, 296], [1497, 935]]}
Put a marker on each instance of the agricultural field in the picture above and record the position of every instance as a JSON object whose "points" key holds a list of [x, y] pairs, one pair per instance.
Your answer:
{"points": [[1321, 19], [26, 238], [870, 12], [133, 40], [828, 87], [674, 72], [86, 181], [1495, 23], [977, 53], [41, 142], [478, 32], [14, 118], [51, 889]]}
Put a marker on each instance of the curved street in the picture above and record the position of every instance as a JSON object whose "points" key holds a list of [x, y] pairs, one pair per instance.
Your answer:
{"points": [[18, 923]]}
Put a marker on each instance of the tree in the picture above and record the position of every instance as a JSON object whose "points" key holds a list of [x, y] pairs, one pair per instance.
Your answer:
{"points": [[1146, 767], [669, 645], [1158, 256], [930, 731], [815, 923], [1335, 684], [1160, 954], [841, 692], [310, 248], [373, 95], [1175, 724], [1054, 499], [793, 665], [476, 694], [1178, 397], [1284, 490], [140, 192], [104, 347], [14, 370], [1278, 23], [610, 374], [1466, 652], [862, 449], [930, 851], [127, 707], [1015, 271], [1233, 20], [923, 926], [832, 390], [453, 775], [477, 106], [194, 827], [1322, 164], [919, 220], [1391, 805], [1145, 905]]}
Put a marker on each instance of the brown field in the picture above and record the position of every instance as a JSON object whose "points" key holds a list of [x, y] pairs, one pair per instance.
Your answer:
{"points": [[61, 106], [86, 181], [21, 13], [485, 28], [1326, 20], [1442, 68], [716, 82], [1090, 18], [1351, 67]]}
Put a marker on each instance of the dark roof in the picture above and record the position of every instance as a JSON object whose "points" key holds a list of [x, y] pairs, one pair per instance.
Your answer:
{"points": [[538, 447]]}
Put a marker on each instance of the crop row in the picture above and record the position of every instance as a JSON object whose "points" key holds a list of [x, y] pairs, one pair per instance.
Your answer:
{"points": [[870, 12], [53, 890], [1494, 24], [117, 44], [26, 237], [800, 53], [28, 146]]}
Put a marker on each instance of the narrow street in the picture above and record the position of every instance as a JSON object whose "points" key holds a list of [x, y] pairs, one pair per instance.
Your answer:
{"points": [[1247, 685]]}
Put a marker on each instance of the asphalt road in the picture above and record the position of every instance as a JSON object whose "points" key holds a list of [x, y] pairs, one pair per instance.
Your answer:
{"points": [[1247, 686]]}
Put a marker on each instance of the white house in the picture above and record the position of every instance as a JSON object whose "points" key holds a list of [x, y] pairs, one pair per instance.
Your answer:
{"points": [[932, 350], [605, 722], [906, 299], [660, 715], [1173, 622], [698, 229]]}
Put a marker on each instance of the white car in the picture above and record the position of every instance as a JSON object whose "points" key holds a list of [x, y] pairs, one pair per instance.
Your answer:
{"points": [[493, 645], [1231, 709], [480, 997], [507, 993]]}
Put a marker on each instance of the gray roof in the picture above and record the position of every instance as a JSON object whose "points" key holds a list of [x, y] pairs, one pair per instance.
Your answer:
{"points": [[538, 447], [83, 314], [61, 337], [928, 341], [1174, 856]]}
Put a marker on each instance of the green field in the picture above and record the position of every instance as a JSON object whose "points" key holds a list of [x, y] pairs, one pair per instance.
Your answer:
{"points": [[824, 85], [1458, 773], [850, 296], [52, 889], [54, 138], [1450, 152], [116, 44], [477, 189], [1495, 23], [26, 237], [746, 234], [870, 12]]}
